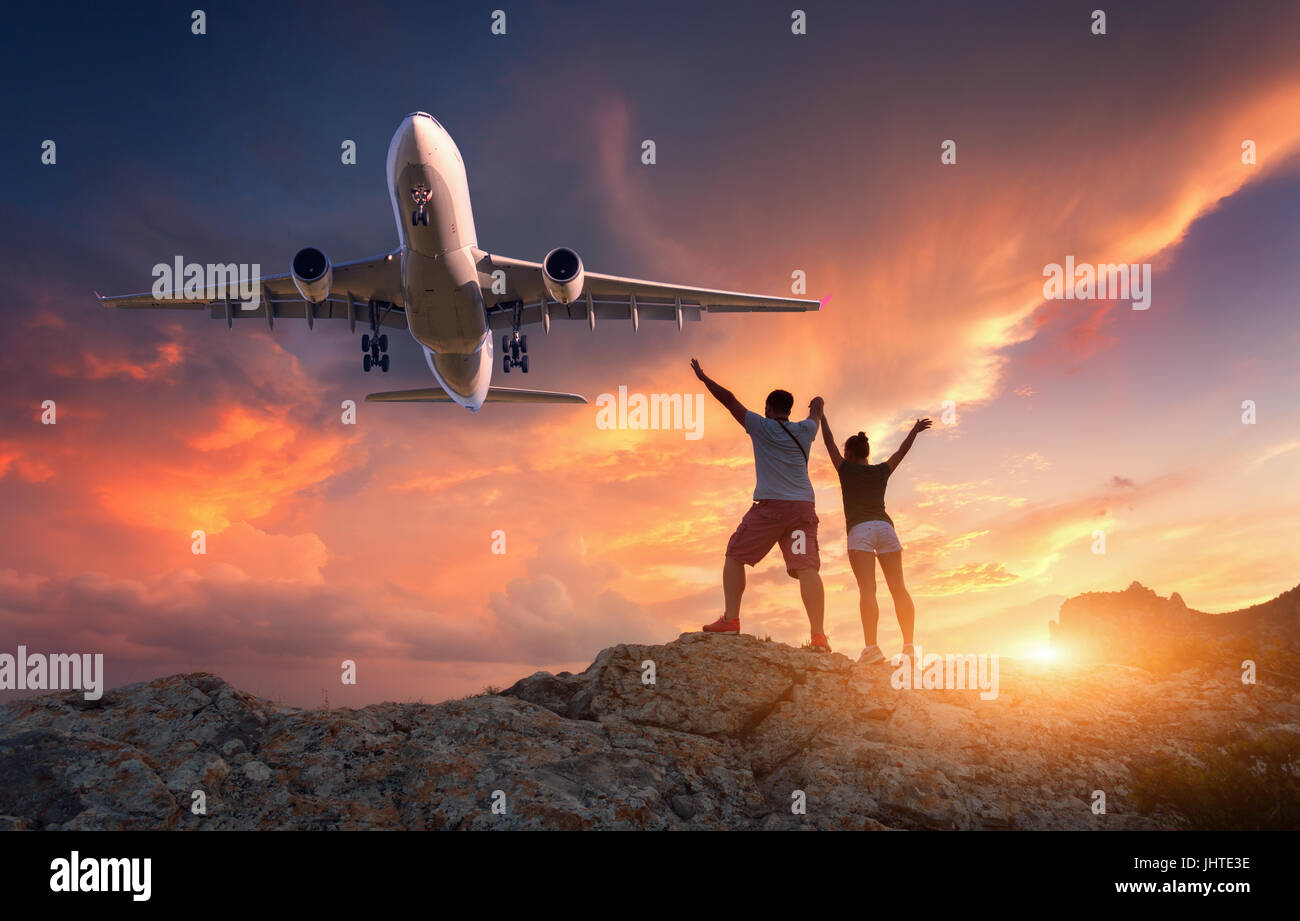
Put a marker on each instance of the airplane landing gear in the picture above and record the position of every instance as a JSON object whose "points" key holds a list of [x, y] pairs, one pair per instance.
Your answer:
{"points": [[374, 344], [514, 347], [420, 195]]}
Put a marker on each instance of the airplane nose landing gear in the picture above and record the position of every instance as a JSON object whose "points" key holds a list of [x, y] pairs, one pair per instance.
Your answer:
{"points": [[420, 195], [375, 345], [514, 348]]}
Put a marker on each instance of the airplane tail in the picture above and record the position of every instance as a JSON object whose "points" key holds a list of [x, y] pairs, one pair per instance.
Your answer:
{"points": [[494, 395]]}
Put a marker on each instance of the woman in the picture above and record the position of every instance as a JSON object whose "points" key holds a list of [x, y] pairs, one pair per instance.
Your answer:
{"points": [[871, 532]]}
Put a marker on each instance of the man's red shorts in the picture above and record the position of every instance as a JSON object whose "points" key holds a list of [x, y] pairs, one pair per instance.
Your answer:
{"points": [[790, 523]]}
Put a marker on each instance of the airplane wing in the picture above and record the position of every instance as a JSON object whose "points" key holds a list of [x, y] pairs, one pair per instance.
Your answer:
{"points": [[355, 286], [615, 298]]}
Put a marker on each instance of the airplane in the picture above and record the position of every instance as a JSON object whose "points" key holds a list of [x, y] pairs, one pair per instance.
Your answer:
{"points": [[449, 294]]}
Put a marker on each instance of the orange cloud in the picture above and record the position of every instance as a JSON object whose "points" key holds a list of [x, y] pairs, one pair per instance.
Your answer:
{"points": [[169, 355], [14, 459], [250, 464], [972, 577]]}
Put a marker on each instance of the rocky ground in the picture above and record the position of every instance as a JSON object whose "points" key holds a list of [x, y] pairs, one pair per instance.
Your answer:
{"points": [[732, 734]]}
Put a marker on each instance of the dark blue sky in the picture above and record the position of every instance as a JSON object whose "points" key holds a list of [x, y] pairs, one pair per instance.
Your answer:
{"points": [[231, 139]]}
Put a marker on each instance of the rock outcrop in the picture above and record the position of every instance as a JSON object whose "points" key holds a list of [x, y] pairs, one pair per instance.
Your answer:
{"points": [[1126, 626], [733, 732]]}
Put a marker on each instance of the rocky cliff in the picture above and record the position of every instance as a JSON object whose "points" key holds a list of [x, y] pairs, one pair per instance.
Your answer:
{"points": [[733, 732], [1129, 626]]}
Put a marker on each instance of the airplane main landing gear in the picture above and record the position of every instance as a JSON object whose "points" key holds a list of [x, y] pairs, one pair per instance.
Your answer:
{"points": [[514, 347], [375, 345]]}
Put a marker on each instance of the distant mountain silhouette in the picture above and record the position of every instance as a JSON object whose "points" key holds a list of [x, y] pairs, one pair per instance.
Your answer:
{"points": [[1131, 626]]}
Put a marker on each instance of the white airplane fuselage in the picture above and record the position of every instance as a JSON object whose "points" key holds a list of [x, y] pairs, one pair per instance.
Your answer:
{"points": [[440, 281]]}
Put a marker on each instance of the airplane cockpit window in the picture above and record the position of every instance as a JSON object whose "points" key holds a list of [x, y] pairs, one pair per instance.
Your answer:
{"points": [[425, 115]]}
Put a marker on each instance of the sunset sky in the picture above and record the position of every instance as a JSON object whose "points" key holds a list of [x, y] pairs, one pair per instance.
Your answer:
{"points": [[776, 153]]}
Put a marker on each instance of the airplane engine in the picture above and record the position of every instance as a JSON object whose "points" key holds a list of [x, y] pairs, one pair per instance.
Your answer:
{"points": [[562, 274], [312, 274]]}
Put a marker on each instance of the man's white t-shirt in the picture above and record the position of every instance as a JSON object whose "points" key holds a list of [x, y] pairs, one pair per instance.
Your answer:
{"points": [[781, 469]]}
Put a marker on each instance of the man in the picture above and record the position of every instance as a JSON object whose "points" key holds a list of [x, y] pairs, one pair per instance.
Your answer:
{"points": [[783, 511]]}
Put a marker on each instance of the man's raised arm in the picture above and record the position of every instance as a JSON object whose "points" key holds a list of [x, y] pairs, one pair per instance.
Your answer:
{"points": [[720, 393], [817, 410]]}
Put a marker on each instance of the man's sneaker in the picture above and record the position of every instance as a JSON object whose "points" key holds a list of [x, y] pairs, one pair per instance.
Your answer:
{"points": [[819, 643], [871, 655], [722, 625]]}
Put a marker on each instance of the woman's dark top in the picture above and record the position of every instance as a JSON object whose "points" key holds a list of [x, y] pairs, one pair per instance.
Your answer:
{"points": [[863, 486]]}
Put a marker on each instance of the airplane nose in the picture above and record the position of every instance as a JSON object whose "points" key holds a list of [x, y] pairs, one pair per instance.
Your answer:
{"points": [[466, 378], [423, 125]]}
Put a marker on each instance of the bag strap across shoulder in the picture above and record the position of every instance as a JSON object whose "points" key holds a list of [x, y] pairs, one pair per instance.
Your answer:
{"points": [[797, 443]]}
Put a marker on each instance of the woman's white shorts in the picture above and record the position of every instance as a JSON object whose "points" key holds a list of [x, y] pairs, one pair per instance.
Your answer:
{"points": [[874, 537]]}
